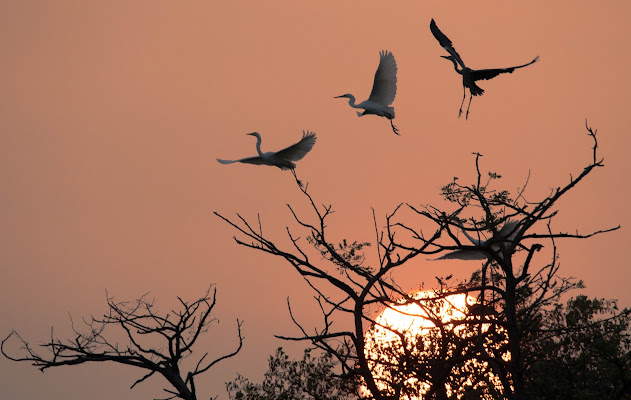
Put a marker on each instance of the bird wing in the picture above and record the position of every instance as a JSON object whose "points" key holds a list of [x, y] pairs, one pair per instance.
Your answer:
{"points": [[248, 160], [481, 74], [465, 254], [508, 231], [385, 86], [299, 150], [445, 43]]}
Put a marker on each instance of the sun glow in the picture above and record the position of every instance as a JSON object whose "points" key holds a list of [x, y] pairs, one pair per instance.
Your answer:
{"points": [[409, 343]]}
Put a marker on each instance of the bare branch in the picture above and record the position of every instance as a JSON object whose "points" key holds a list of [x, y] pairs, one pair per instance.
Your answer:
{"points": [[178, 330]]}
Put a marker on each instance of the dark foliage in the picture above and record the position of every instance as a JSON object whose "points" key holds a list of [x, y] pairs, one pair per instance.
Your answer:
{"points": [[582, 351], [311, 378]]}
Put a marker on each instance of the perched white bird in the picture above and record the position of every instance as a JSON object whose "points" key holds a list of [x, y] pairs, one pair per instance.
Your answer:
{"points": [[505, 235], [283, 159], [383, 90]]}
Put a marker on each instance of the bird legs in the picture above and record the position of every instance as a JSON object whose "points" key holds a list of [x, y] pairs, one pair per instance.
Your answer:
{"points": [[298, 181], [394, 128], [464, 95], [469, 106]]}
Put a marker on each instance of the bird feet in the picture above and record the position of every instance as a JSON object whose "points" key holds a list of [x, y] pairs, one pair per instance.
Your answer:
{"points": [[298, 181], [460, 112], [394, 128]]}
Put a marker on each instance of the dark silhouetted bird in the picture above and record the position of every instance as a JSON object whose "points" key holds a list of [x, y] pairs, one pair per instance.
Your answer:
{"points": [[469, 76], [483, 248]]}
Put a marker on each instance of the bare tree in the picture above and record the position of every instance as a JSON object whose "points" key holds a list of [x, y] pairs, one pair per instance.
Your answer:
{"points": [[511, 285], [156, 343]]}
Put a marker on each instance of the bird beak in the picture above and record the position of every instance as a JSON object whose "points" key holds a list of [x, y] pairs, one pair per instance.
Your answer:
{"points": [[446, 57], [251, 134], [337, 97]]}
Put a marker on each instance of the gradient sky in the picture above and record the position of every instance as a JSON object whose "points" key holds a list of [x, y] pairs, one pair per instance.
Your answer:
{"points": [[112, 115]]}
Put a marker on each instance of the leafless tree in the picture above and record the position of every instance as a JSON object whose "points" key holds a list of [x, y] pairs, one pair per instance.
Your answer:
{"points": [[512, 283], [155, 342]]}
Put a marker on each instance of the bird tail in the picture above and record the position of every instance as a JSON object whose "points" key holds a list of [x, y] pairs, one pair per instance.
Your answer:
{"points": [[476, 90], [225, 161]]}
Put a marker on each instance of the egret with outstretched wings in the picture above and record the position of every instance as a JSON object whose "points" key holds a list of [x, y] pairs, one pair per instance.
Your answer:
{"points": [[484, 248], [469, 76], [384, 89], [283, 159]]}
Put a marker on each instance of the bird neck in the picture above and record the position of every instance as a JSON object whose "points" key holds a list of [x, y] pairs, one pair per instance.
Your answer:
{"points": [[351, 101], [258, 145], [456, 66]]}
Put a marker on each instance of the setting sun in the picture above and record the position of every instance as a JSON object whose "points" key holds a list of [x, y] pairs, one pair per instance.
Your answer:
{"points": [[409, 340]]}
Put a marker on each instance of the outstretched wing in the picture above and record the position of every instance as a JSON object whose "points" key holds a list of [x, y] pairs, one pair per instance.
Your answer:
{"points": [[445, 43], [299, 150], [508, 231], [492, 73], [464, 254], [385, 86], [249, 160]]}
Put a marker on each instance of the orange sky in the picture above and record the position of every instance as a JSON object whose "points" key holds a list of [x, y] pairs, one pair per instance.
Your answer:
{"points": [[112, 115]]}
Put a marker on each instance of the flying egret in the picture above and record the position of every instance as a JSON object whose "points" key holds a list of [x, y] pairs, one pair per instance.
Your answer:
{"points": [[481, 251], [469, 76], [384, 89], [283, 159]]}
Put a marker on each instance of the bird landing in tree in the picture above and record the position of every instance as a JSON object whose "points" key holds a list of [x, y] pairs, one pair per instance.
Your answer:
{"points": [[485, 249], [283, 159]]}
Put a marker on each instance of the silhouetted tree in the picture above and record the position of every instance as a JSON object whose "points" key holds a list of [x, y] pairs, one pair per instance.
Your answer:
{"points": [[311, 378], [580, 351], [512, 286], [156, 343], [440, 359]]}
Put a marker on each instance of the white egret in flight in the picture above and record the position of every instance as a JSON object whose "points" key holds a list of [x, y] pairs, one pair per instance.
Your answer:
{"points": [[481, 251], [384, 89], [283, 159], [469, 76]]}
